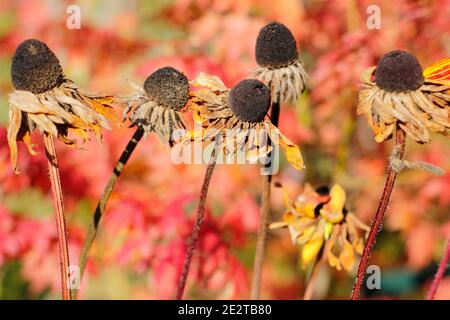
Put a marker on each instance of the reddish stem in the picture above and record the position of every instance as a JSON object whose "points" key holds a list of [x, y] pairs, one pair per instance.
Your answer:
{"points": [[440, 273], [193, 239], [55, 182], [261, 240], [379, 217]]}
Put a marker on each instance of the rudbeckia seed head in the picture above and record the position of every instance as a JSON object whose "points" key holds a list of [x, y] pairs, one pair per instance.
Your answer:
{"points": [[398, 71], [250, 100], [35, 67], [168, 87], [275, 46]]}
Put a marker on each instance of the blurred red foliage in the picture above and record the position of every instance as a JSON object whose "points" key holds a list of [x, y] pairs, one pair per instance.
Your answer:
{"points": [[150, 214]]}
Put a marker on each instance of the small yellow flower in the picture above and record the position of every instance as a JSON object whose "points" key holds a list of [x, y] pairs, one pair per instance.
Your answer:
{"points": [[44, 99], [330, 228], [235, 119], [403, 95]]}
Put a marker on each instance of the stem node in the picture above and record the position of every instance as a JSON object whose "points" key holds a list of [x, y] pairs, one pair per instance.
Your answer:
{"points": [[399, 151]]}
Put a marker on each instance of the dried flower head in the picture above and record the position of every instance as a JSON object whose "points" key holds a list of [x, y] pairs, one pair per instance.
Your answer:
{"points": [[155, 106], [402, 95], [35, 68], [275, 46], [168, 87], [250, 100], [235, 119], [44, 99], [318, 220], [280, 68], [397, 65]]}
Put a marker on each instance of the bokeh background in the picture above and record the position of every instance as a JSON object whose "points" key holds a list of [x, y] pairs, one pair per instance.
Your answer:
{"points": [[141, 246]]}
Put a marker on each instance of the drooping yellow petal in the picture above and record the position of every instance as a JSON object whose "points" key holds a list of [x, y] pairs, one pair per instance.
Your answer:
{"points": [[347, 257], [97, 131], [292, 151], [311, 249], [308, 210], [293, 155], [103, 107], [382, 133], [328, 229], [358, 245], [77, 122], [30, 146], [333, 261], [81, 133], [439, 71], [338, 197]]}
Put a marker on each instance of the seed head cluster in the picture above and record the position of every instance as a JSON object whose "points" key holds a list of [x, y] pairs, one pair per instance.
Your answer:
{"points": [[168, 87], [398, 71], [35, 67], [275, 46], [250, 100]]}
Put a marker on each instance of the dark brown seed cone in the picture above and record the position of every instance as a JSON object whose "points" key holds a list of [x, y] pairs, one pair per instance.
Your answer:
{"points": [[35, 67], [275, 46], [398, 71], [250, 100], [168, 87]]}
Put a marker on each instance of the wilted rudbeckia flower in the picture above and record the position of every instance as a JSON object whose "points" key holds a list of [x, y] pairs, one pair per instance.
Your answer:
{"points": [[319, 222], [44, 99], [279, 65], [156, 106], [237, 116], [301, 214], [234, 122], [153, 108], [403, 95]]}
